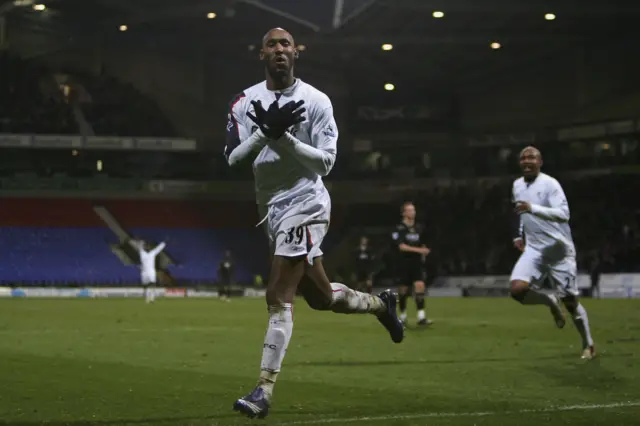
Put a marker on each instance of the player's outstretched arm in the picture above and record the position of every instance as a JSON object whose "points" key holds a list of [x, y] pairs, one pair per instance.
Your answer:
{"points": [[158, 249]]}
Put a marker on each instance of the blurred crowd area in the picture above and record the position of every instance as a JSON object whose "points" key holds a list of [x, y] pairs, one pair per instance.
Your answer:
{"points": [[26, 106], [34, 99], [446, 161], [468, 229]]}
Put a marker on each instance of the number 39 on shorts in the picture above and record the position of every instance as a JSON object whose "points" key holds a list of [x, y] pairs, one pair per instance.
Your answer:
{"points": [[295, 235]]}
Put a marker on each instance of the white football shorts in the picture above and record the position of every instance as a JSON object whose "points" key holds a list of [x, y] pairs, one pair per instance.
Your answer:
{"points": [[531, 267], [298, 227], [148, 277]]}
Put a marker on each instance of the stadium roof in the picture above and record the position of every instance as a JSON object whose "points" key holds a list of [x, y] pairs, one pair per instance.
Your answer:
{"points": [[348, 34]]}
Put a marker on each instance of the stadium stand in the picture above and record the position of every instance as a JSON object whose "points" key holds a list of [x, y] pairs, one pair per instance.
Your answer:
{"points": [[207, 165], [26, 106], [31, 101], [64, 242], [118, 109]]}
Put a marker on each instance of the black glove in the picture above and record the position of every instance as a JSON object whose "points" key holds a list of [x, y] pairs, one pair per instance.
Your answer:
{"points": [[260, 113], [266, 119], [275, 121], [291, 113]]}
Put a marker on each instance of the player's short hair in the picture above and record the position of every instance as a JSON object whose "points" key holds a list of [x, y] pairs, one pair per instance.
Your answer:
{"points": [[265, 37], [532, 147], [405, 204]]}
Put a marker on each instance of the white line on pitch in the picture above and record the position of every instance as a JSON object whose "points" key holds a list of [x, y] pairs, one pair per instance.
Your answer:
{"points": [[115, 330], [557, 409]]}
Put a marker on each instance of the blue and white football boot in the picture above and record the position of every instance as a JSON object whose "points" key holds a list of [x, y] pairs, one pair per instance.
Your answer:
{"points": [[390, 318], [256, 404]]}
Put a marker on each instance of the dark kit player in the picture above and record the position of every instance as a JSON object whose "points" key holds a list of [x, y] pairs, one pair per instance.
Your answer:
{"points": [[409, 262], [364, 266], [226, 274]]}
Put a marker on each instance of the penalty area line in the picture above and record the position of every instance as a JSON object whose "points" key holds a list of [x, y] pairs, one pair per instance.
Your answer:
{"points": [[553, 409]]}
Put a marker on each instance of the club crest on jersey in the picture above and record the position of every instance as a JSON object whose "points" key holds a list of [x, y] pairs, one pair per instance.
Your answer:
{"points": [[413, 237], [329, 131]]}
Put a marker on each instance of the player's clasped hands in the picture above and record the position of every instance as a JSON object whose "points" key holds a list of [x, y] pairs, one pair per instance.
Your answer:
{"points": [[522, 207], [276, 120], [518, 243]]}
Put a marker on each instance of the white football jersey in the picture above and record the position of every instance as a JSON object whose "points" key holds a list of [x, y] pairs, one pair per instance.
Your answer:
{"points": [[546, 229], [148, 258], [279, 176]]}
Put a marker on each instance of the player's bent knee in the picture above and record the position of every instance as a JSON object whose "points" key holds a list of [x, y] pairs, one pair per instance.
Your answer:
{"points": [[318, 304], [519, 289], [571, 303], [403, 290], [419, 286], [316, 287]]}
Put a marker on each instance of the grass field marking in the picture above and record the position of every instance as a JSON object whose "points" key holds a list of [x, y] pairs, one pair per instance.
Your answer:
{"points": [[553, 409], [117, 330]]}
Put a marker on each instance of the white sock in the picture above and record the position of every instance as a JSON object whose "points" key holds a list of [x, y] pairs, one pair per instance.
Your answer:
{"points": [[348, 301], [581, 322], [536, 297], [421, 315], [275, 345], [403, 316]]}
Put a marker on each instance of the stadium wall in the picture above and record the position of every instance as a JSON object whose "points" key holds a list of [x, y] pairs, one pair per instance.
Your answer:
{"points": [[612, 286]]}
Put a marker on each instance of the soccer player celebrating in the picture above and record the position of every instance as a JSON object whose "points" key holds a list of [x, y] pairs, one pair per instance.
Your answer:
{"points": [[295, 151], [547, 247], [148, 274], [410, 256]]}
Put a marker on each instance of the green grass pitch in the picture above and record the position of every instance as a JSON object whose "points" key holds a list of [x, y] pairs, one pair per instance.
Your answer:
{"points": [[184, 362]]}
